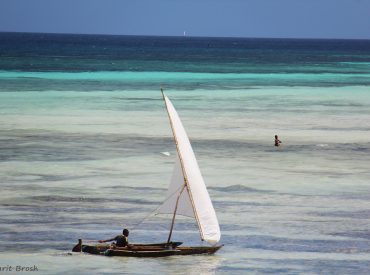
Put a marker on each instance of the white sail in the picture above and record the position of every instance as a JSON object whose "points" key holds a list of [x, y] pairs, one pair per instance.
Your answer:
{"points": [[195, 194], [184, 206]]}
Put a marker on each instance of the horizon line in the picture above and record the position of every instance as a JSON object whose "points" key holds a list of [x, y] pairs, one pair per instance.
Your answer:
{"points": [[184, 37]]}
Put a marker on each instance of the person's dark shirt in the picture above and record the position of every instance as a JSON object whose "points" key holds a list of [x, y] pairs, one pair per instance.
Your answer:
{"points": [[121, 240]]}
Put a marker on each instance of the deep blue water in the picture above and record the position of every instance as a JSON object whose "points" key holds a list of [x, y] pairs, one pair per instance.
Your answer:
{"points": [[243, 62]]}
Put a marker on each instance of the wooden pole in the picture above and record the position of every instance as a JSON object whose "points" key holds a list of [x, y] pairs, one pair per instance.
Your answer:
{"points": [[174, 214]]}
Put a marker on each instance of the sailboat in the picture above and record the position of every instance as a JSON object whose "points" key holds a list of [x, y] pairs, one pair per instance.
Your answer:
{"points": [[187, 195]]}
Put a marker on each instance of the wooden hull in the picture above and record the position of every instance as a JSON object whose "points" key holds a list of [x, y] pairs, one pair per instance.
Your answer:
{"points": [[186, 250], [192, 250], [152, 251], [172, 244], [131, 253], [101, 248], [94, 249]]}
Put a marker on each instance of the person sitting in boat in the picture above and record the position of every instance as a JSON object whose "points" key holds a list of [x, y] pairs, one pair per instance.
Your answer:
{"points": [[121, 240]]}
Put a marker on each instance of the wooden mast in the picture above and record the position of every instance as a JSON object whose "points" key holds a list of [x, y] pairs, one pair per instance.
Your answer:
{"points": [[174, 213], [185, 179]]}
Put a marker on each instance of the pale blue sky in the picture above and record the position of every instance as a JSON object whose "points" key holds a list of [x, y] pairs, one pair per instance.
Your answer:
{"points": [[224, 18]]}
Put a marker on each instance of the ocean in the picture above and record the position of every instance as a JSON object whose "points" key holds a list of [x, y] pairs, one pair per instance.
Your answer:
{"points": [[86, 149]]}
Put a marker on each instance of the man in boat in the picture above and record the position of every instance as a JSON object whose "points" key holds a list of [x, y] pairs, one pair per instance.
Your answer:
{"points": [[121, 240]]}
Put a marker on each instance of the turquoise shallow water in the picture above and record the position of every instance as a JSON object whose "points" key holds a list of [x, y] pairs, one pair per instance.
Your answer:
{"points": [[81, 156]]}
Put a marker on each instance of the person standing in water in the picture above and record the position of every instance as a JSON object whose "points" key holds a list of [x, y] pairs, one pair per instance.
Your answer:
{"points": [[277, 141]]}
